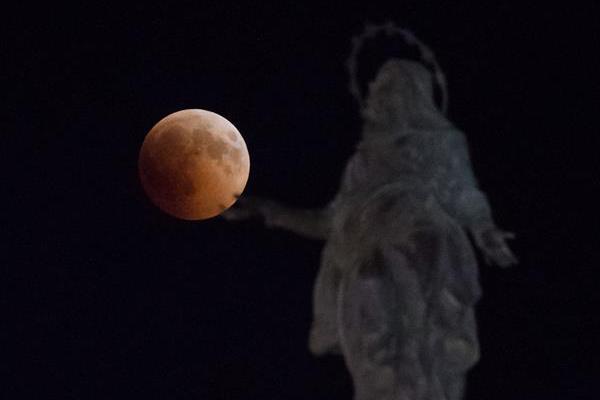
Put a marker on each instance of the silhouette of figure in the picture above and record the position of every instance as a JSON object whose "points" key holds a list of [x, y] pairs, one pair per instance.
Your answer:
{"points": [[398, 280]]}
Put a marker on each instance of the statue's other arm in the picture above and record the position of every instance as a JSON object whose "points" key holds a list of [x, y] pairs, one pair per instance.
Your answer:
{"points": [[470, 206]]}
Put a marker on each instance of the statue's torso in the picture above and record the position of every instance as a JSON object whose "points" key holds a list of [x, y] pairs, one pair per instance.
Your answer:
{"points": [[429, 162], [395, 189]]}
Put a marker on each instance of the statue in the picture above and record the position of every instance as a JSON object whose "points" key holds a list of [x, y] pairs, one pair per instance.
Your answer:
{"points": [[398, 280]]}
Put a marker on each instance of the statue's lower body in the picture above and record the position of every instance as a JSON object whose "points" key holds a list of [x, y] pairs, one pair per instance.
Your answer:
{"points": [[400, 307]]}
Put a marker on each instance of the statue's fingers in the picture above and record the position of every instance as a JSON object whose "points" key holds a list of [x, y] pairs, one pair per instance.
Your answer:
{"points": [[230, 215], [508, 235], [237, 214], [506, 258]]}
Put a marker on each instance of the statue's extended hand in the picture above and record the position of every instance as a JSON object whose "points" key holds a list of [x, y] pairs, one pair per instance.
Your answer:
{"points": [[492, 243], [252, 207]]}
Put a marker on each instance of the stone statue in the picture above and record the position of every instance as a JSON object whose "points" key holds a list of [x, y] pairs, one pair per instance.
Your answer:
{"points": [[398, 280]]}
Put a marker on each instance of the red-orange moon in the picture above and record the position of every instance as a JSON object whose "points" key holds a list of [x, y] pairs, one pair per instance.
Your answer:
{"points": [[194, 164]]}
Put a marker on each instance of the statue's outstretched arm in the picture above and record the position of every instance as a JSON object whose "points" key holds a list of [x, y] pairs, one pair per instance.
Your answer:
{"points": [[475, 215], [310, 223]]}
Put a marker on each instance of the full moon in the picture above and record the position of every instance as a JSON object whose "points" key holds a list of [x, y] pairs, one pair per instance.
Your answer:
{"points": [[194, 164]]}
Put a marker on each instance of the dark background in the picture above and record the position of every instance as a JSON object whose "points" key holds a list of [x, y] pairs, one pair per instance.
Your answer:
{"points": [[107, 297]]}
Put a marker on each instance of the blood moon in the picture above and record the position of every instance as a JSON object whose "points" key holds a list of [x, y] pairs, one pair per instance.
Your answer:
{"points": [[194, 164]]}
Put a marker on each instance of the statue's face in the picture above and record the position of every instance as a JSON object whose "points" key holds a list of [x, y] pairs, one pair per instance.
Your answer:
{"points": [[399, 92]]}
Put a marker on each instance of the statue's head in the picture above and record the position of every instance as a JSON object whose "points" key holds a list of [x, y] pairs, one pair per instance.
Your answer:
{"points": [[401, 96]]}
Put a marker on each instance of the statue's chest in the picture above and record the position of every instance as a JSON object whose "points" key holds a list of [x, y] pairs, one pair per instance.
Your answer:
{"points": [[407, 157]]}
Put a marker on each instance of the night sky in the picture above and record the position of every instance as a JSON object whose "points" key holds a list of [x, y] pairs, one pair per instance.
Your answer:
{"points": [[106, 297]]}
